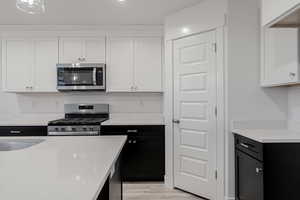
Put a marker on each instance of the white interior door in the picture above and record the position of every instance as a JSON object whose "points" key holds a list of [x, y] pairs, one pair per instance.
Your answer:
{"points": [[194, 114]]}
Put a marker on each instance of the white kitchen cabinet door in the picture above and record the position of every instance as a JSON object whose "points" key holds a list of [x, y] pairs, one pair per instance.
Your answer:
{"points": [[281, 57], [148, 64], [46, 58], [94, 50], [70, 50], [120, 64], [17, 65], [82, 49], [274, 9]]}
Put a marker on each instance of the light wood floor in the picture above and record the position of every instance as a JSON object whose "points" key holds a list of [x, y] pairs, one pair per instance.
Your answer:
{"points": [[154, 191]]}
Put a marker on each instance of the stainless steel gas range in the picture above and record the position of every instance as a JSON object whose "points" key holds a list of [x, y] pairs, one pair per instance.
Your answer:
{"points": [[80, 120]]}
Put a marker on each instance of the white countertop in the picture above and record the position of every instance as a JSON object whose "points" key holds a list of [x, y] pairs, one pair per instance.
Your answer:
{"points": [[59, 168], [269, 135]]}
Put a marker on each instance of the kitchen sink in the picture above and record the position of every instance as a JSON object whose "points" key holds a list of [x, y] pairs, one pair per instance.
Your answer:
{"points": [[18, 144]]}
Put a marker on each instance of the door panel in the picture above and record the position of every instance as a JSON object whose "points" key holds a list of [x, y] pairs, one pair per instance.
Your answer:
{"points": [[46, 58], [148, 64], [194, 101], [94, 50], [281, 56], [19, 65], [70, 50], [249, 181], [120, 64]]}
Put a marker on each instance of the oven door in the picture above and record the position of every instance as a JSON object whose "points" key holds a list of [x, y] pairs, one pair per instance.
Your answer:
{"points": [[88, 77]]}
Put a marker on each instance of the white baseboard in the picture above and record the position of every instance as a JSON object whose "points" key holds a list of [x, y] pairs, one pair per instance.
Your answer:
{"points": [[229, 198]]}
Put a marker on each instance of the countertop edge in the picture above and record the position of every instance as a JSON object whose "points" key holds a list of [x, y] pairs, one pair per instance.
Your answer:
{"points": [[110, 168], [269, 135]]}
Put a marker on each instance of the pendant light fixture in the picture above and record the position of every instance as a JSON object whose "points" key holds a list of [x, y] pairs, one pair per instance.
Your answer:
{"points": [[31, 6]]}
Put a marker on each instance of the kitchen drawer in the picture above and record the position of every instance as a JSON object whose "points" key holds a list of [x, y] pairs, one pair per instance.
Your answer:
{"points": [[6, 131], [250, 147]]}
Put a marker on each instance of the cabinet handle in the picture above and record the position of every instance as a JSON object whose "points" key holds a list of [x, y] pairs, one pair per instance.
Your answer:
{"points": [[132, 131], [15, 132], [244, 145], [259, 170], [292, 75]]}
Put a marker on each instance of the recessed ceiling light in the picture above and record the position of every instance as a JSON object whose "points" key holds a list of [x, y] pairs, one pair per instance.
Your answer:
{"points": [[31, 6], [121, 1], [185, 30]]}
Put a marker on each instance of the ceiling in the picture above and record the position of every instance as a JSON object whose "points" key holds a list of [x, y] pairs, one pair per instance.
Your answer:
{"points": [[94, 12]]}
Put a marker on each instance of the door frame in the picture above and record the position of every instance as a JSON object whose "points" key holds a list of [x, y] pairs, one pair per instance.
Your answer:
{"points": [[221, 117]]}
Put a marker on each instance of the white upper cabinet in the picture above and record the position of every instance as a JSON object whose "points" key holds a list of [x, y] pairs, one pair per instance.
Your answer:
{"points": [[280, 64], [82, 49], [273, 10], [17, 64], [148, 64], [46, 58], [134, 64], [29, 65], [94, 50], [120, 64]]}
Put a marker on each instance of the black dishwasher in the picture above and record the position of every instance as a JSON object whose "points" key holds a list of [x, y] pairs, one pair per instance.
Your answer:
{"points": [[249, 169], [143, 156]]}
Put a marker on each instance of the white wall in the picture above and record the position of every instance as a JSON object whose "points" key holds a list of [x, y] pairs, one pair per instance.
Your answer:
{"points": [[247, 101], [207, 15], [294, 108]]}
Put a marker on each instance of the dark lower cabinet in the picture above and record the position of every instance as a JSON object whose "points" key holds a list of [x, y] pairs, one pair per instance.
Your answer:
{"points": [[269, 171], [15, 131], [250, 183], [113, 187], [144, 152]]}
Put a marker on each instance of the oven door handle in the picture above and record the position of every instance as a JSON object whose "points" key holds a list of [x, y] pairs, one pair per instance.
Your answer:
{"points": [[95, 76]]}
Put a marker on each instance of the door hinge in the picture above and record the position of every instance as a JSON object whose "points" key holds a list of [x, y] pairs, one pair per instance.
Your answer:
{"points": [[216, 174], [215, 47], [216, 111]]}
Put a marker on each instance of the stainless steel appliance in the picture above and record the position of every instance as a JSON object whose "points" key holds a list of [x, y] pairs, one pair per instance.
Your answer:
{"points": [[81, 77], [80, 120]]}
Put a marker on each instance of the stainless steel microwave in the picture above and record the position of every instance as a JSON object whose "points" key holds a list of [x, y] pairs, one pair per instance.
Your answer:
{"points": [[81, 77]]}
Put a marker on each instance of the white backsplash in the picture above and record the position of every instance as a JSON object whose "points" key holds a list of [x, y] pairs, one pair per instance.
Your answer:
{"points": [[41, 107]]}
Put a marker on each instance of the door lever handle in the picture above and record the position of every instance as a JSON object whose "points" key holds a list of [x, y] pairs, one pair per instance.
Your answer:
{"points": [[176, 121]]}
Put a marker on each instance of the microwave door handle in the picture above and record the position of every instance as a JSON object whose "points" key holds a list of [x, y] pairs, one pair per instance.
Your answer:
{"points": [[95, 76]]}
